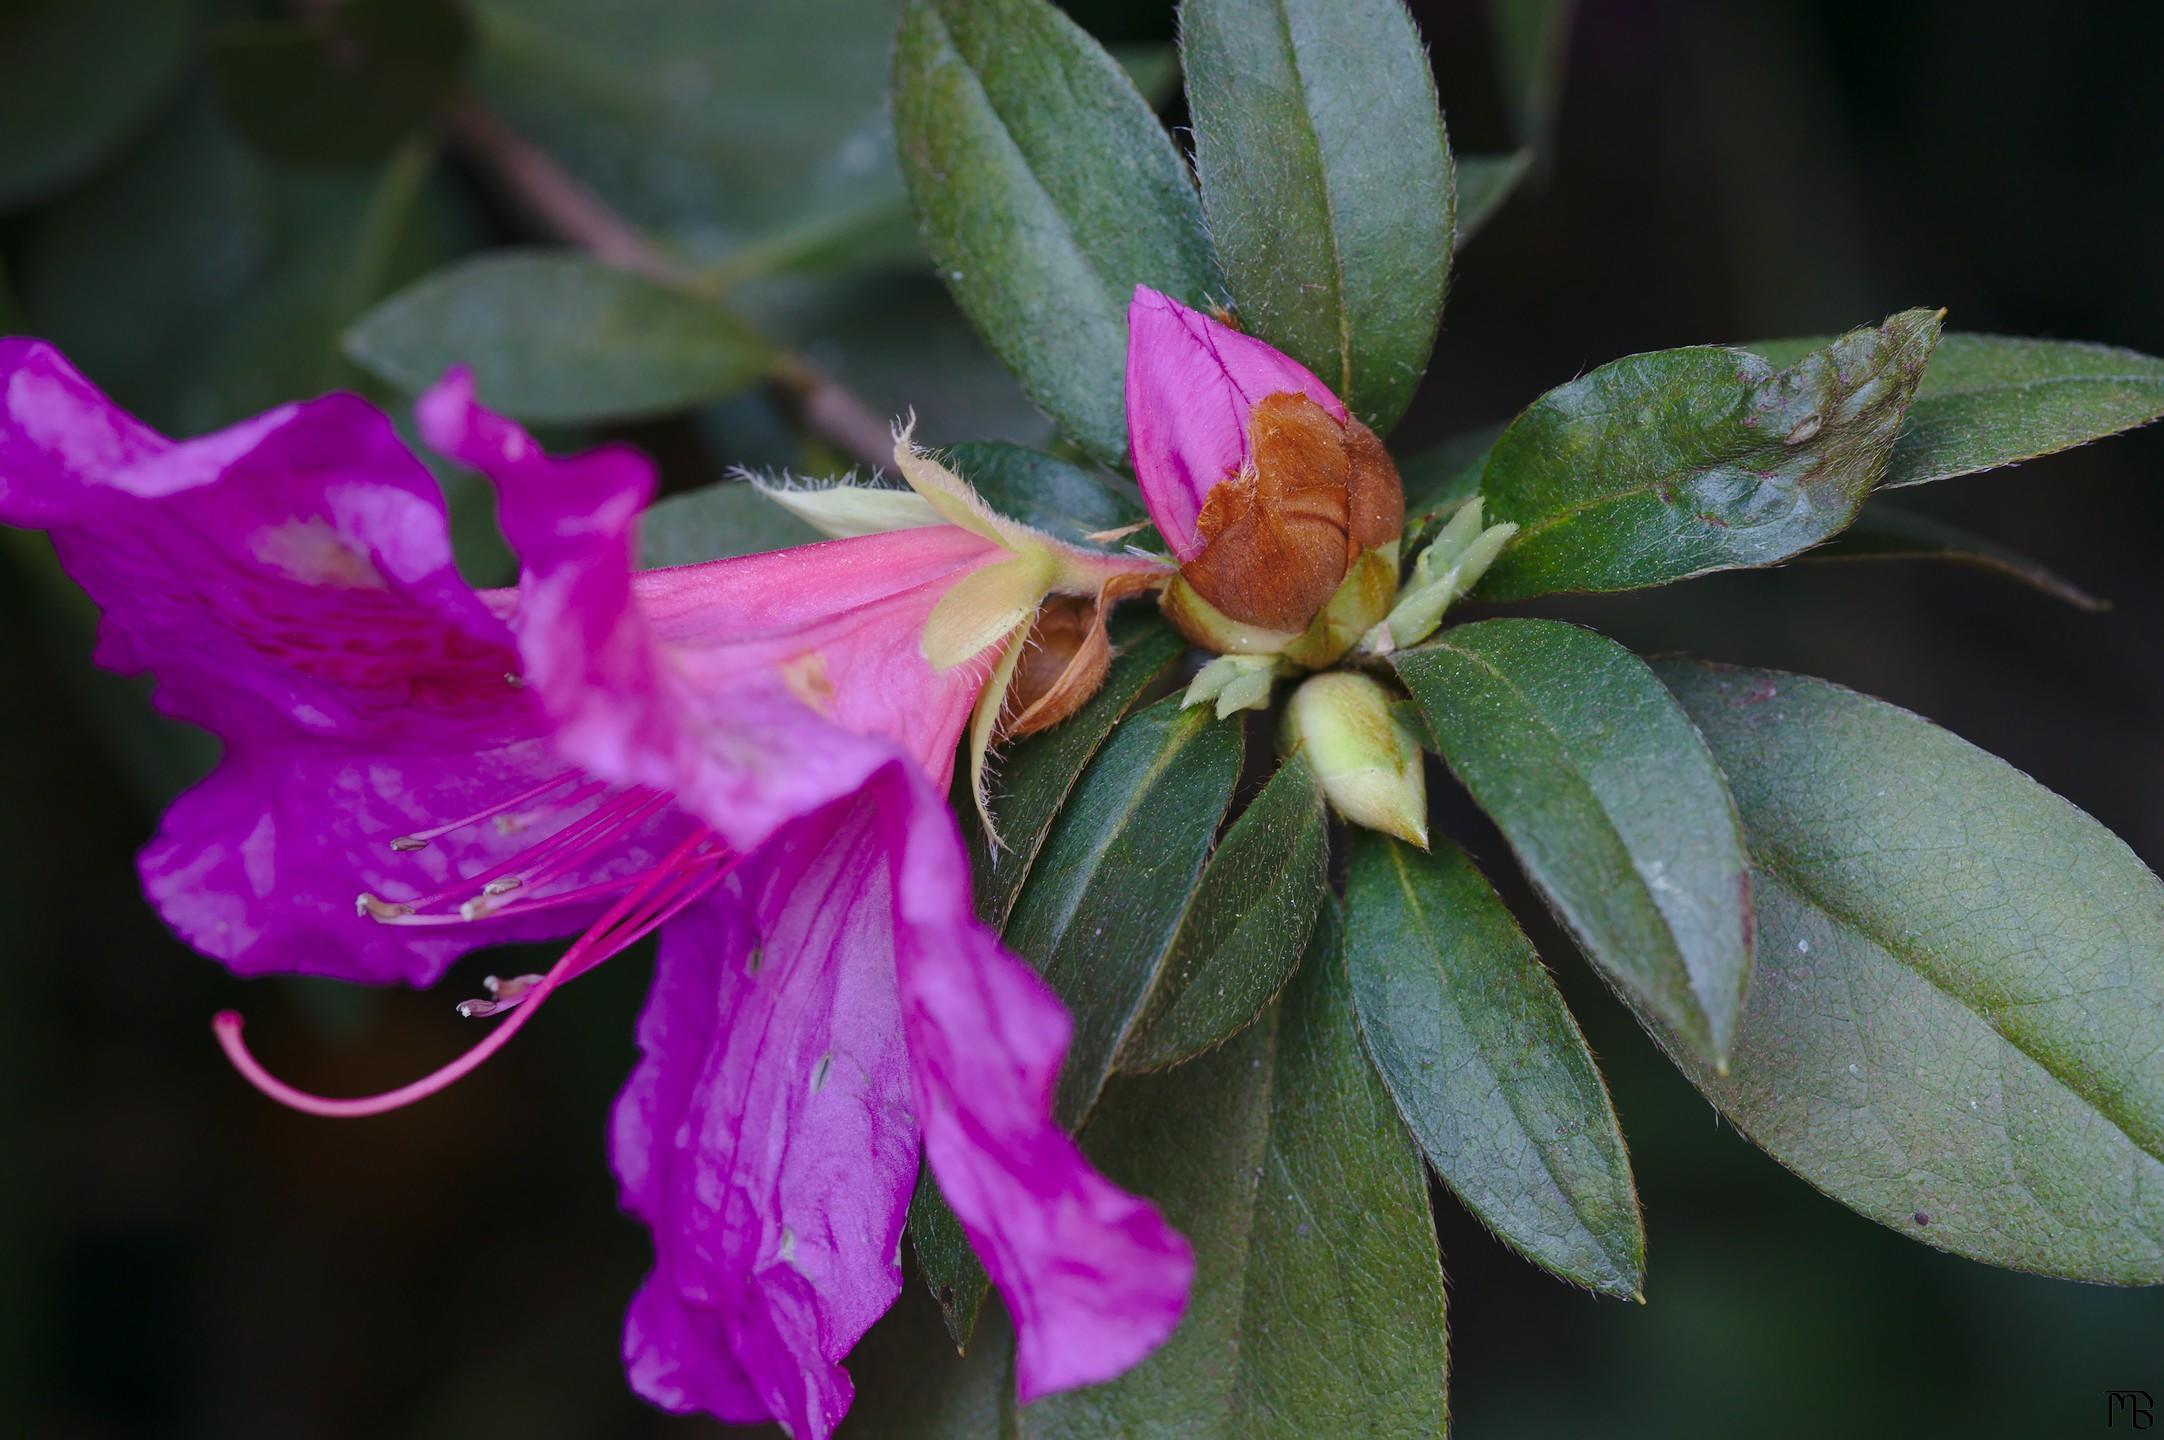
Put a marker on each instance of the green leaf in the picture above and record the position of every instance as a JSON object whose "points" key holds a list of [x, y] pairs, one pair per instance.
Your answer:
{"points": [[1611, 802], [1991, 400], [77, 79], [555, 337], [1317, 1307], [1245, 928], [1954, 1026], [1115, 875], [1885, 532], [201, 284], [709, 124], [344, 85], [1484, 183], [1532, 40], [1047, 190], [1486, 1065], [1440, 479], [1035, 778], [716, 522], [1326, 178], [1659, 467], [1056, 496]]}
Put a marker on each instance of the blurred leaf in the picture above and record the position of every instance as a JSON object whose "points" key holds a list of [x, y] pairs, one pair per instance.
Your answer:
{"points": [[554, 336], [1954, 1026], [1326, 178], [715, 522], [340, 85], [704, 120], [1055, 495], [1154, 67], [911, 1385], [899, 342], [1035, 778], [1484, 183], [1532, 40], [1991, 400], [1489, 1070], [1659, 467], [1442, 478], [1611, 802], [1117, 872], [1244, 929], [77, 79], [1884, 532], [1048, 191], [201, 284], [1317, 1307]]}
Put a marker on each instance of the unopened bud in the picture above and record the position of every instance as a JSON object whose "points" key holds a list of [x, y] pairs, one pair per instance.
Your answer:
{"points": [[1368, 763], [1063, 662], [1445, 571]]}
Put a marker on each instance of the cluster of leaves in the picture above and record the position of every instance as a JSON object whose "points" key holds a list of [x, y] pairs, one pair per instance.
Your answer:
{"points": [[1914, 976], [1908, 972]]}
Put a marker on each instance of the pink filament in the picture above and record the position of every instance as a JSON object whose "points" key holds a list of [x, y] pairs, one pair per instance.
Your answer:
{"points": [[689, 872]]}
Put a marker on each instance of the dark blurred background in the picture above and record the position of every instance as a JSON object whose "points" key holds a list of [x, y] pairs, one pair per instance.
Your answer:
{"points": [[180, 1258]]}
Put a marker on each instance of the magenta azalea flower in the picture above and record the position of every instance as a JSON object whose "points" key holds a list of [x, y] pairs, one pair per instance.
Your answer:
{"points": [[750, 755]]}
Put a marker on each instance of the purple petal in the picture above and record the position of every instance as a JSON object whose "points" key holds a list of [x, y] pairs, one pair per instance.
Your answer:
{"points": [[1093, 1277], [289, 583], [1190, 385], [767, 1136]]}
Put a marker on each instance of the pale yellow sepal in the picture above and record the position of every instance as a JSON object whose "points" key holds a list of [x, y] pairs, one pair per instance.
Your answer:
{"points": [[842, 512], [1234, 682], [985, 605], [984, 720], [1442, 575]]}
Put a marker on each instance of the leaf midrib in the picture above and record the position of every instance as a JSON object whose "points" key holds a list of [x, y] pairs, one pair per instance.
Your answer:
{"points": [[1510, 1095], [1852, 922], [1572, 770]]}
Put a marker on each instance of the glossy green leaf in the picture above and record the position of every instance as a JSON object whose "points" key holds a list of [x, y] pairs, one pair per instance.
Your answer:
{"points": [[1663, 466], [1055, 495], [1954, 1027], [1489, 1070], [1317, 1307], [1326, 178], [1484, 183], [555, 337], [1245, 928], [1047, 190], [77, 79], [1886, 532], [1034, 779], [341, 85], [1118, 867], [200, 284], [715, 522], [1611, 802], [1991, 400], [702, 120], [1532, 41]]}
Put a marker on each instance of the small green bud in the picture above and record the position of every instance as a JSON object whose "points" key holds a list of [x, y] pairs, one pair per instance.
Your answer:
{"points": [[1442, 574], [1368, 762]]}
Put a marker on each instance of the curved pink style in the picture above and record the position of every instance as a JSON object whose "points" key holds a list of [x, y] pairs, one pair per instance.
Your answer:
{"points": [[1191, 382], [750, 756]]}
